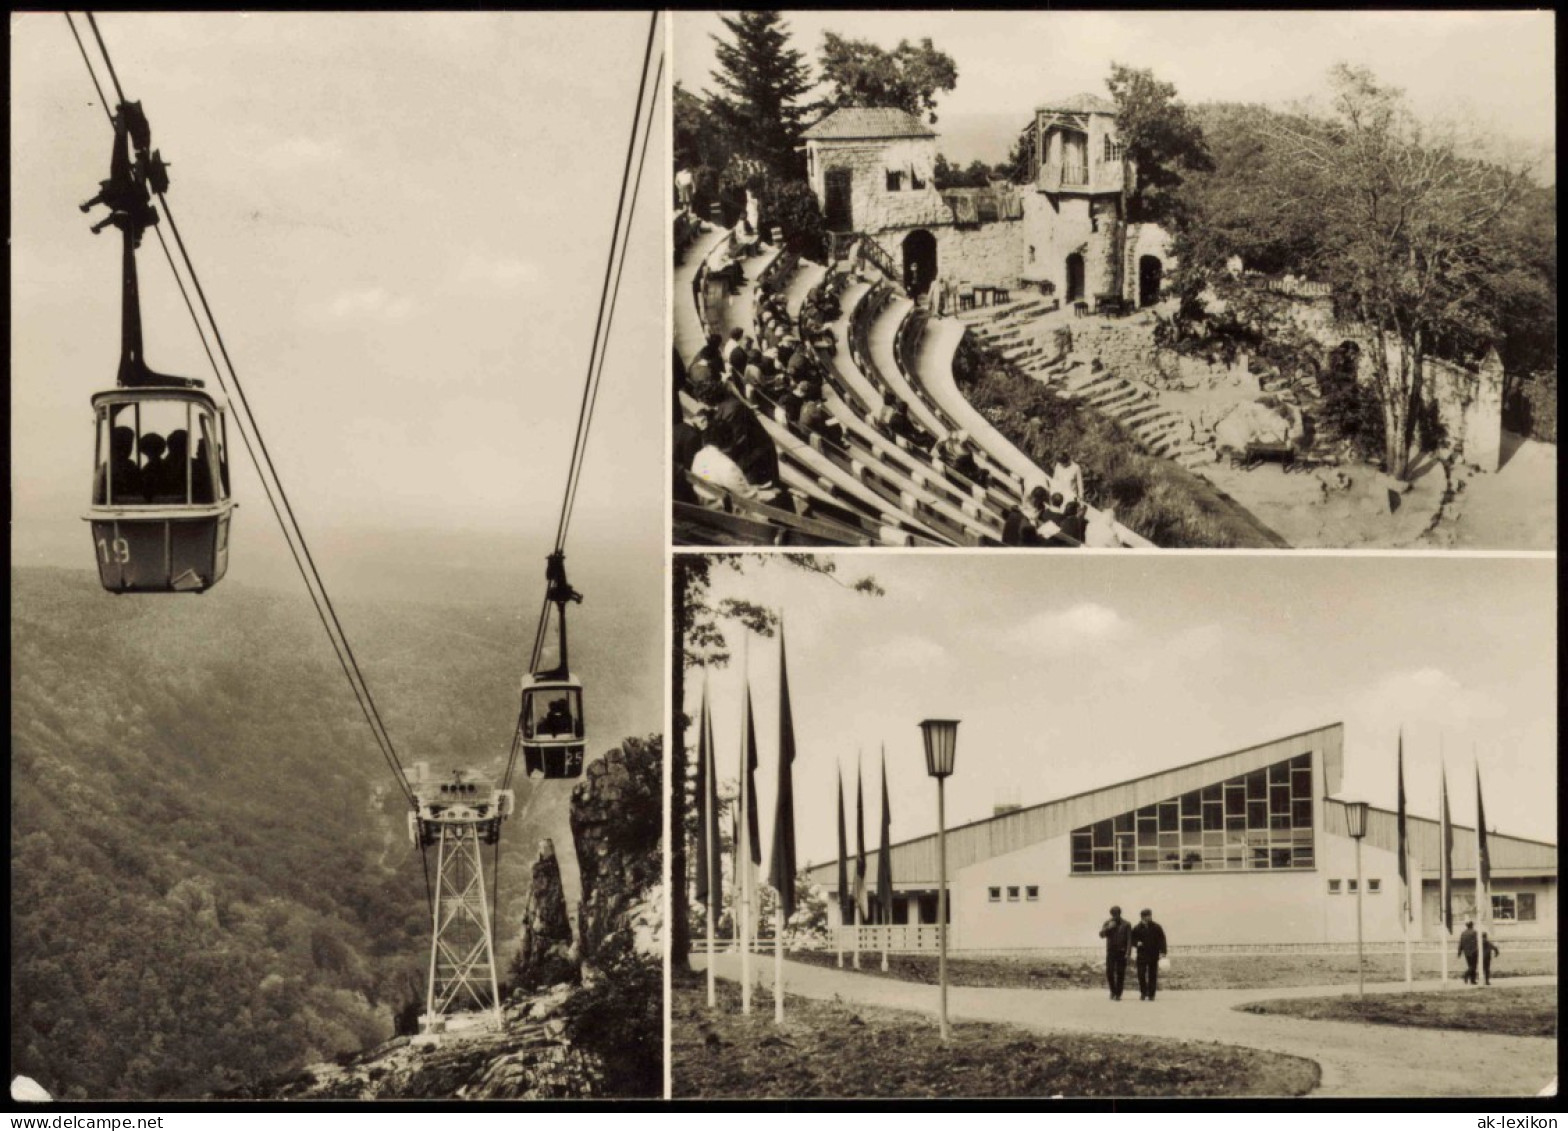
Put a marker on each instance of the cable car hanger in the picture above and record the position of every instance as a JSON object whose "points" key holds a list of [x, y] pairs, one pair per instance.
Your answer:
{"points": [[160, 507]]}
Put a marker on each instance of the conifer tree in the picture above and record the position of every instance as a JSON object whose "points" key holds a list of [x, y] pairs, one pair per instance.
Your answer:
{"points": [[761, 79]]}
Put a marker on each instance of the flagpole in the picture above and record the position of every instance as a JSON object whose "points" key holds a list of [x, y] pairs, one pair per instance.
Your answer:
{"points": [[778, 967], [1407, 912], [1445, 875], [860, 851], [882, 850], [710, 819], [843, 874], [743, 852]]}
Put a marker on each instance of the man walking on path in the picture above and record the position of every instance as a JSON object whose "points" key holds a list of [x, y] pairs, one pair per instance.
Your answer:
{"points": [[1117, 933], [1469, 951], [1149, 937], [1488, 949]]}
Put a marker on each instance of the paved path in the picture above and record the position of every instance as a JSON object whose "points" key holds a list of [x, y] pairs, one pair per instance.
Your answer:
{"points": [[1356, 1060]]}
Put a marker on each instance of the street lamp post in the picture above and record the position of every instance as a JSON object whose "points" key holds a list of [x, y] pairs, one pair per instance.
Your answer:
{"points": [[941, 737], [1356, 819]]}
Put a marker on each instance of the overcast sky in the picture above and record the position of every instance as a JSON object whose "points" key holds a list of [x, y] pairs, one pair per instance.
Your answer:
{"points": [[401, 221], [1496, 66], [1074, 671]]}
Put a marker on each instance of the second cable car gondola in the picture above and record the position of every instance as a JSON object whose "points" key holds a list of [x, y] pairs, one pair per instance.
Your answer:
{"points": [[161, 504], [550, 727]]}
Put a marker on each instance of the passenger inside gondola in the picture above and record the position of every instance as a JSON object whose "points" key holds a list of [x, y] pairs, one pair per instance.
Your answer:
{"points": [[201, 475], [153, 446], [166, 483], [557, 718], [121, 470]]}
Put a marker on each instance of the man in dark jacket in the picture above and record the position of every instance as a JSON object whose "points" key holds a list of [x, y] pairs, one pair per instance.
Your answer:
{"points": [[1469, 951], [1149, 938], [1488, 948], [1117, 933]]}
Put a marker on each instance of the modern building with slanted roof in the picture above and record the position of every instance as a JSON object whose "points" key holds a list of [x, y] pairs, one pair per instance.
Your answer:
{"points": [[1245, 849]]}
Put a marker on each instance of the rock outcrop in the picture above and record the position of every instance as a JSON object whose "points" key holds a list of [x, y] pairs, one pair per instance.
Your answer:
{"points": [[617, 811], [547, 955]]}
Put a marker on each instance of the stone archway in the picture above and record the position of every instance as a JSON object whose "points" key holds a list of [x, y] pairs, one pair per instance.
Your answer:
{"points": [[919, 249], [1151, 273]]}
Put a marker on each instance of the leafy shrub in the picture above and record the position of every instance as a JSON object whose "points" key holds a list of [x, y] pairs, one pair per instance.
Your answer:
{"points": [[620, 1018]]}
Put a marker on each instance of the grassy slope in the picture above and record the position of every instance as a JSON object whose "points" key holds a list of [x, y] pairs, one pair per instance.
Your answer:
{"points": [[1158, 498], [1517, 1011], [1199, 972], [831, 1050]]}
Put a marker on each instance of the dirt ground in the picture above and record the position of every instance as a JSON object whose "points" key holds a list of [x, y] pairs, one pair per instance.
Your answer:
{"points": [[1198, 972], [833, 1049], [1513, 509], [1519, 1011]]}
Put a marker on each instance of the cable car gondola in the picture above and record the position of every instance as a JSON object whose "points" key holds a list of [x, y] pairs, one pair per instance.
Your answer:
{"points": [[550, 725], [160, 504]]}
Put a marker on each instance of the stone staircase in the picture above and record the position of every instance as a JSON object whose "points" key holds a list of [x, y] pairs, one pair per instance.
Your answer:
{"points": [[1022, 332]]}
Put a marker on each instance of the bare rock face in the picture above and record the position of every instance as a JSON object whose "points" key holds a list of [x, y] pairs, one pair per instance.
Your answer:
{"points": [[616, 815], [547, 956]]}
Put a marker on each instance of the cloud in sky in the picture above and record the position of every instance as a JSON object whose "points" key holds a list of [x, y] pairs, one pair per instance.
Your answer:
{"points": [[906, 651], [1060, 632], [503, 271], [370, 302]]}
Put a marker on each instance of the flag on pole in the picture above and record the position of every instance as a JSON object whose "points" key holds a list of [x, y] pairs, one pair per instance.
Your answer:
{"points": [[781, 867], [708, 872], [846, 900], [860, 845], [1483, 857], [884, 852], [1404, 840], [748, 850], [1445, 875]]}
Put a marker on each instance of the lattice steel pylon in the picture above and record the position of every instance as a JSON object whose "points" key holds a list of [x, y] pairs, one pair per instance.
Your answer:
{"points": [[459, 816]]}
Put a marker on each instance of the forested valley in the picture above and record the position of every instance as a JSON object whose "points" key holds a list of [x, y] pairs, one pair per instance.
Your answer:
{"points": [[212, 881]]}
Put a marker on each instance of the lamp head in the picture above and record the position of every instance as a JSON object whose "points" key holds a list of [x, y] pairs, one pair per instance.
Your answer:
{"points": [[941, 737]]}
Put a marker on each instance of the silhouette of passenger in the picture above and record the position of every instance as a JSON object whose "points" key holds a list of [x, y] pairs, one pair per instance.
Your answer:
{"points": [[153, 447], [201, 475], [167, 484], [557, 719], [123, 474]]}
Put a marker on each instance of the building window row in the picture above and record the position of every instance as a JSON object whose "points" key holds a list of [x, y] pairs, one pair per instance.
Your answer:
{"points": [[899, 179], [1030, 893], [1256, 821], [1374, 886]]}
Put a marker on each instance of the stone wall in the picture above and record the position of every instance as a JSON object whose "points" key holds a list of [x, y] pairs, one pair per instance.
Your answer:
{"points": [[874, 206], [988, 253], [1053, 231], [1469, 401]]}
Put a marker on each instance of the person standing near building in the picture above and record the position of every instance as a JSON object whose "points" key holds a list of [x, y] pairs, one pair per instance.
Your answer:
{"points": [[1117, 933], [1469, 951], [1149, 938], [684, 183], [1488, 948]]}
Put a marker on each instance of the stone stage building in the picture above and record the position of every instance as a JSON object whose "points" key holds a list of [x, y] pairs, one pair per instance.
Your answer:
{"points": [[1065, 232], [1246, 849]]}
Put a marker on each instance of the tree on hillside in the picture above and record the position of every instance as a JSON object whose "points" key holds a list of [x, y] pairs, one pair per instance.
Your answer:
{"points": [[698, 640], [907, 78], [761, 79], [1160, 138], [1410, 220]]}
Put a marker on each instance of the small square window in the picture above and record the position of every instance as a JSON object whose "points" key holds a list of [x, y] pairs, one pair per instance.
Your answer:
{"points": [[1032, 891], [895, 180], [996, 895], [1526, 906], [1012, 895], [1350, 886], [1333, 888], [1374, 887]]}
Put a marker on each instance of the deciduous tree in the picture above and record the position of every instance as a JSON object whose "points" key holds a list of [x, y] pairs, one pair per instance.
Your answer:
{"points": [[907, 78]]}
